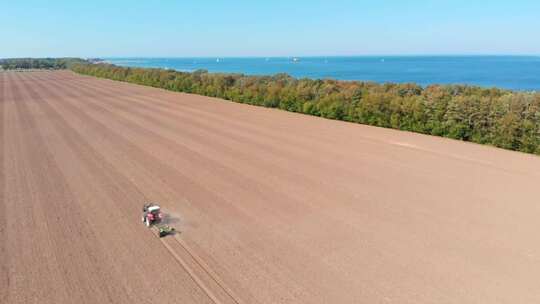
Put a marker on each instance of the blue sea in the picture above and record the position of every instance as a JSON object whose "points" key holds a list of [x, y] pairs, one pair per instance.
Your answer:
{"points": [[509, 72]]}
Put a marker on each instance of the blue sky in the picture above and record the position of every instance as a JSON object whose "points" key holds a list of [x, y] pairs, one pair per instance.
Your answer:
{"points": [[179, 28]]}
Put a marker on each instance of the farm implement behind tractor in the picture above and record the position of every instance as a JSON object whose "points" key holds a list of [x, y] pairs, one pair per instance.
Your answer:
{"points": [[152, 218]]}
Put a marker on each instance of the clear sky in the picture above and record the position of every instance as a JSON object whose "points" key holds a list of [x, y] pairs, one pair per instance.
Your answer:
{"points": [[180, 28]]}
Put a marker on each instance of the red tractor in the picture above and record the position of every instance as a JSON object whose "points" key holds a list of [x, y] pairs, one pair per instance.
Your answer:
{"points": [[151, 214]]}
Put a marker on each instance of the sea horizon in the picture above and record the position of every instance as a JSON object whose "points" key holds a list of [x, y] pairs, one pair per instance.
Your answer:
{"points": [[315, 56], [513, 72]]}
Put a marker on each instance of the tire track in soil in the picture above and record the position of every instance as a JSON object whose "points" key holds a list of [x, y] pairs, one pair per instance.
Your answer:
{"points": [[207, 270], [197, 278]]}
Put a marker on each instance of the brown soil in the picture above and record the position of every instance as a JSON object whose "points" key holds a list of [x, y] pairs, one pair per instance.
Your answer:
{"points": [[272, 207]]}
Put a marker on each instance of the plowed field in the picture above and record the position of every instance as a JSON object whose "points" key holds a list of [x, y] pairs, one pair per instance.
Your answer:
{"points": [[271, 206]]}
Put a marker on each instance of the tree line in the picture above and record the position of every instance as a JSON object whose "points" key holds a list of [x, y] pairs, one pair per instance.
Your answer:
{"points": [[492, 116], [38, 63]]}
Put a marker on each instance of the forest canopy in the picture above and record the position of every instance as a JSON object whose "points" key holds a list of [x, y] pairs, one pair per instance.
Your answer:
{"points": [[497, 117], [38, 63]]}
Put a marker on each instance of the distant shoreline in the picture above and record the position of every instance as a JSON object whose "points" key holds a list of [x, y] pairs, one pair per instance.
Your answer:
{"points": [[320, 56], [512, 72]]}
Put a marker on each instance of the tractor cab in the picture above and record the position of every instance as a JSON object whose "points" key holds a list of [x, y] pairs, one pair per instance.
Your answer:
{"points": [[151, 214], [155, 209]]}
